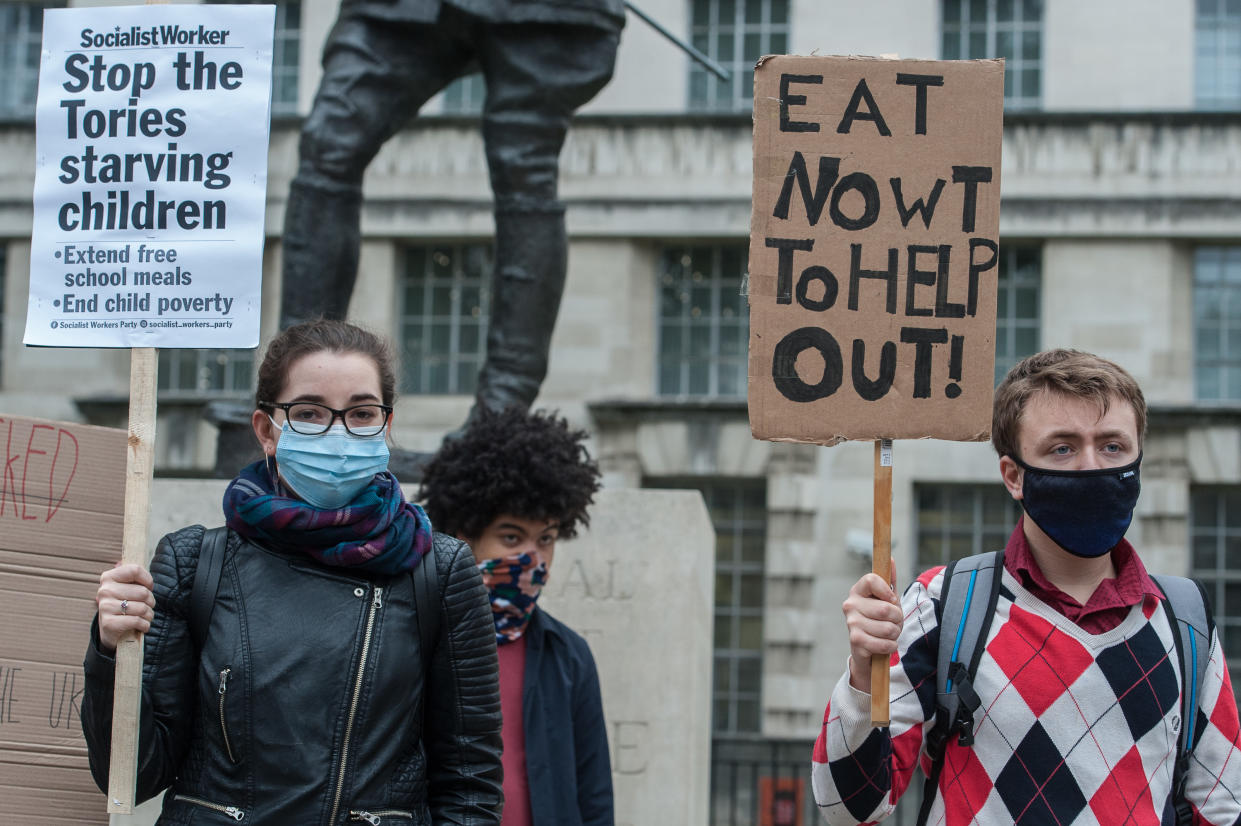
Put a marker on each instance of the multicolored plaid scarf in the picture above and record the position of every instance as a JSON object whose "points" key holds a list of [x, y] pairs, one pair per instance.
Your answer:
{"points": [[378, 531], [513, 584]]}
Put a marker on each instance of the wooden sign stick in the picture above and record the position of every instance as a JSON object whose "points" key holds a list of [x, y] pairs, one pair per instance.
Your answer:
{"points": [[127, 690], [881, 564], [139, 467]]}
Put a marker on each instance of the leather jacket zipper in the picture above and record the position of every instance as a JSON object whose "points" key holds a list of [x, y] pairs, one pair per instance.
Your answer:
{"points": [[376, 817], [231, 811], [224, 726], [376, 604]]}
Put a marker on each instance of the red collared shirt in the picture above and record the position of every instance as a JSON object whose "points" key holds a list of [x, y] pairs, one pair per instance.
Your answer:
{"points": [[1108, 605], [512, 657]]}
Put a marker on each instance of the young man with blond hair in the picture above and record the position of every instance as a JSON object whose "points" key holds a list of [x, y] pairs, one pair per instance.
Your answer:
{"points": [[1079, 681]]}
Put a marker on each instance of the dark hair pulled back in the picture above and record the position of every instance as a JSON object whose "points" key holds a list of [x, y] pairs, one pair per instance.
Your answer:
{"points": [[313, 337]]}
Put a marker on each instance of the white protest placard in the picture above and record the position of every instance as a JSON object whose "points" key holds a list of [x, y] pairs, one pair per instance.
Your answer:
{"points": [[151, 175]]}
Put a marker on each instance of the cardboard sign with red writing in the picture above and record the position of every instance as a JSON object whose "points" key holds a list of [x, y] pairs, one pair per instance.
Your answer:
{"points": [[62, 496], [874, 248]]}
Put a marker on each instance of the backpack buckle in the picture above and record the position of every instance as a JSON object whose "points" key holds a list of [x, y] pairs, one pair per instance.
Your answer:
{"points": [[966, 737]]}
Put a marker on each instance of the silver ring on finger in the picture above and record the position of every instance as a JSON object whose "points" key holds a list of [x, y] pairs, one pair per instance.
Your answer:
{"points": [[124, 606]]}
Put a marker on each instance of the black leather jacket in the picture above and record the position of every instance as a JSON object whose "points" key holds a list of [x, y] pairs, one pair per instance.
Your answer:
{"points": [[304, 706]]}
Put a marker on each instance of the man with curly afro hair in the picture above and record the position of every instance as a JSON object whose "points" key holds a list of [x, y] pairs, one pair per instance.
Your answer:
{"points": [[511, 485]]}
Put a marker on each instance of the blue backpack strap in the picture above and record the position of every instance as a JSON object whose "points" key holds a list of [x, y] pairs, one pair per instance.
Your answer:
{"points": [[1185, 603], [966, 605]]}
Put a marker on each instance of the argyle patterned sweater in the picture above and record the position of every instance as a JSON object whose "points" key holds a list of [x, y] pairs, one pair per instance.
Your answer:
{"points": [[1073, 728]]}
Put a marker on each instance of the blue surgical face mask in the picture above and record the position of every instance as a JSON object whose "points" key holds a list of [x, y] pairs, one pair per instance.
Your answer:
{"points": [[1086, 512], [330, 470]]}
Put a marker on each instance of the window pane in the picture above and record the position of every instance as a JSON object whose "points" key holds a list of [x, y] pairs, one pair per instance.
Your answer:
{"points": [[286, 53], [1031, 45], [977, 45], [751, 633], [196, 372], [20, 34], [752, 591], [1217, 325], [747, 716], [444, 318], [738, 514], [1004, 45], [950, 48], [1215, 543], [722, 677], [736, 36], [1217, 81], [701, 13], [951, 520], [1031, 82], [701, 285], [749, 674], [1011, 29], [1204, 555]]}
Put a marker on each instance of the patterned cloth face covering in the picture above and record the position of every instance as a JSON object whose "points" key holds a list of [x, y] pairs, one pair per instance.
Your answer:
{"points": [[513, 584]]}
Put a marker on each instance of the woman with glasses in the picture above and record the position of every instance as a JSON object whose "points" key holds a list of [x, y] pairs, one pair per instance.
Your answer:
{"points": [[312, 699]]}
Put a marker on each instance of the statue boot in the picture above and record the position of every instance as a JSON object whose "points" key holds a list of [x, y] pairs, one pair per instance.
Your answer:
{"points": [[320, 248], [527, 282]]}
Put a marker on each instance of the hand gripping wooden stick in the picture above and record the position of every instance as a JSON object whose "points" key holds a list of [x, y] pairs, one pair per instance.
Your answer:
{"points": [[881, 564], [127, 691]]}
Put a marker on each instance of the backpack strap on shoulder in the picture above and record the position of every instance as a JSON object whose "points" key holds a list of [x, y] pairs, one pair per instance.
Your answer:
{"points": [[427, 604], [206, 582], [967, 602], [1185, 604]]}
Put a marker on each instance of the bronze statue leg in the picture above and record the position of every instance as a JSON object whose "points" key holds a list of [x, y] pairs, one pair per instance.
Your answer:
{"points": [[376, 77], [537, 76]]}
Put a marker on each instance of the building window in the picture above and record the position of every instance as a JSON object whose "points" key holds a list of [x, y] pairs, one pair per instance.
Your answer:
{"points": [[704, 326], [1217, 323], [1217, 41], [1011, 29], [1017, 312], [465, 95], [738, 511], [734, 33], [444, 313], [192, 372], [958, 520], [1215, 540], [286, 54], [21, 36]]}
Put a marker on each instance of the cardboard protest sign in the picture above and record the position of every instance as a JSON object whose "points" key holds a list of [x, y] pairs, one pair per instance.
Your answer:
{"points": [[151, 175], [60, 526], [874, 248]]}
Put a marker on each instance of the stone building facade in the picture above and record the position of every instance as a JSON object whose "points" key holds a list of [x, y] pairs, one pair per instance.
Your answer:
{"points": [[1120, 229]]}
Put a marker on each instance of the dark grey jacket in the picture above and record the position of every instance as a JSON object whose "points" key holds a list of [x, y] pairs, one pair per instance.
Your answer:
{"points": [[303, 707]]}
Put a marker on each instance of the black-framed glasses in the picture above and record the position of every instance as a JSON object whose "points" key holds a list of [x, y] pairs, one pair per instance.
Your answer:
{"points": [[314, 419]]}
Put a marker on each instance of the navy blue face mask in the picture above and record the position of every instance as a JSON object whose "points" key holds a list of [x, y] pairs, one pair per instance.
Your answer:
{"points": [[1086, 512]]}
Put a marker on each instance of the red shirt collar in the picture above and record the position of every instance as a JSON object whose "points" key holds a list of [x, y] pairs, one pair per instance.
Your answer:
{"points": [[1111, 600]]}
